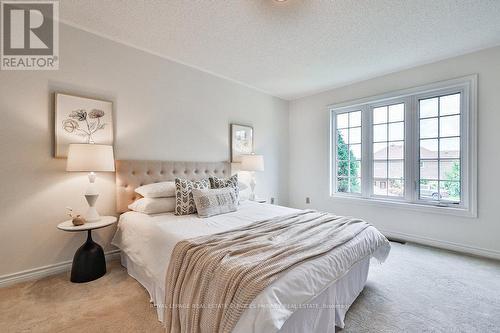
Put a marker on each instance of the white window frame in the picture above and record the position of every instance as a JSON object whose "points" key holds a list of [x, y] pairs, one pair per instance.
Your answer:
{"points": [[370, 107], [467, 86], [333, 163]]}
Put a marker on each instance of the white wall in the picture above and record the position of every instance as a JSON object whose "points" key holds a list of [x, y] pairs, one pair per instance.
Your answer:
{"points": [[309, 142], [163, 110]]}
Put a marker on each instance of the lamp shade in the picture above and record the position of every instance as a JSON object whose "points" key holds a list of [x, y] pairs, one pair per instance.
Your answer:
{"points": [[252, 163], [90, 157]]}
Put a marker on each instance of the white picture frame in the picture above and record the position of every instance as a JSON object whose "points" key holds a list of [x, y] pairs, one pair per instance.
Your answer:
{"points": [[81, 120], [241, 141]]}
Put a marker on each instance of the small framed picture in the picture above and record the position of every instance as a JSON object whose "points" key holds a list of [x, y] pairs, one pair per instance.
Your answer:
{"points": [[81, 120], [241, 141]]}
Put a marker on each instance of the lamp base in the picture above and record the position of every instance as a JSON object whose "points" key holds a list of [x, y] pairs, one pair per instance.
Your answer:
{"points": [[253, 182], [92, 215]]}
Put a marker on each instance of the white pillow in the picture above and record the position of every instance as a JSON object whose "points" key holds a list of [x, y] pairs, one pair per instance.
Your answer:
{"points": [[212, 202], [242, 186], [153, 205], [245, 195], [157, 190], [244, 192]]}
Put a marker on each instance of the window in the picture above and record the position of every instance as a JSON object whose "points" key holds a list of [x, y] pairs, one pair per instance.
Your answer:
{"points": [[388, 150], [348, 152], [416, 148], [439, 131]]}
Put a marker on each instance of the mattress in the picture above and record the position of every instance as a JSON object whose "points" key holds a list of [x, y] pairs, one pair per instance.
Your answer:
{"points": [[147, 242]]}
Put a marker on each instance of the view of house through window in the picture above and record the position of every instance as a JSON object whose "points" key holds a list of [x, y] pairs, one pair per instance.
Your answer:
{"points": [[388, 150], [440, 148]]}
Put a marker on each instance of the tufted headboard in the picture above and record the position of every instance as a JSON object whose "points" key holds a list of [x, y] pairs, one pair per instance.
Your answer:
{"points": [[131, 174]]}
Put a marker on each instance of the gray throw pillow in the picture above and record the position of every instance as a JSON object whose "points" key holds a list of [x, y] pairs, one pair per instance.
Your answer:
{"points": [[232, 182], [184, 202], [215, 201]]}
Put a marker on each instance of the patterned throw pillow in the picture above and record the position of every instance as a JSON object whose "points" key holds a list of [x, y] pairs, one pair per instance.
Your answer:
{"points": [[215, 201], [184, 202], [232, 182]]}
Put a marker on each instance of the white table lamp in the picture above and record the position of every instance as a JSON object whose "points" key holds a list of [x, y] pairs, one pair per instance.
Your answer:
{"points": [[252, 163], [90, 158]]}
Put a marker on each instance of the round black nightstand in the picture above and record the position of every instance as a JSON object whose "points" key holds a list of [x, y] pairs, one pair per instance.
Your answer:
{"points": [[88, 263]]}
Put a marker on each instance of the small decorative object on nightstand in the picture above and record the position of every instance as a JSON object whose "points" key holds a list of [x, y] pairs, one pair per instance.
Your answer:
{"points": [[90, 158], [77, 219], [88, 263], [252, 163]]}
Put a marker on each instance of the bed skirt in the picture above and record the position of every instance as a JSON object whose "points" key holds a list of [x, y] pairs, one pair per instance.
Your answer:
{"points": [[321, 314]]}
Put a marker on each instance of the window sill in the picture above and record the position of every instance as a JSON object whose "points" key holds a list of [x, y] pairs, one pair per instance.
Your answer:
{"points": [[425, 208]]}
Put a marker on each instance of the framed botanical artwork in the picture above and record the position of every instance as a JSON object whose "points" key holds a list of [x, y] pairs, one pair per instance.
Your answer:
{"points": [[81, 120], [241, 141]]}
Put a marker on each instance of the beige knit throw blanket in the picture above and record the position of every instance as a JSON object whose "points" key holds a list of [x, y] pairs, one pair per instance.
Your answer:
{"points": [[212, 279]]}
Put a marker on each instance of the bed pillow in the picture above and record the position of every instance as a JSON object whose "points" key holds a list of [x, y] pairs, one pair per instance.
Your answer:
{"points": [[157, 190], [232, 182], [244, 192], [184, 202], [153, 205], [215, 201]]}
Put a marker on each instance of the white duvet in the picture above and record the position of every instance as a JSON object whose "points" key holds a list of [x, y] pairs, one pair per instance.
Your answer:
{"points": [[148, 240]]}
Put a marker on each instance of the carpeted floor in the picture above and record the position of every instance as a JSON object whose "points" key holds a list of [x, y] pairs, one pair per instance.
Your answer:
{"points": [[418, 289], [422, 289]]}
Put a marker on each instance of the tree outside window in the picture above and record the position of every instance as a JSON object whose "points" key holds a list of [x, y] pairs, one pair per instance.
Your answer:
{"points": [[348, 170]]}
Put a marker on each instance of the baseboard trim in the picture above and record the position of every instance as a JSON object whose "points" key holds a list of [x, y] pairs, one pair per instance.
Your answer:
{"points": [[41, 272], [475, 251]]}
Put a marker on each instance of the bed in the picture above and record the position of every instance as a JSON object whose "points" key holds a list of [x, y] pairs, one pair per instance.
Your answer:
{"points": [[311, 297]]}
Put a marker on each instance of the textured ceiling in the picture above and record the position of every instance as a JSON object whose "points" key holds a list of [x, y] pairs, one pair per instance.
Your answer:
{"points": [[298, 47]]}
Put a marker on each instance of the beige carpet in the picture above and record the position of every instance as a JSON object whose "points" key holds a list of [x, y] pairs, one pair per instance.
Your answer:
{"points": [[418, 289], [113, 303]]}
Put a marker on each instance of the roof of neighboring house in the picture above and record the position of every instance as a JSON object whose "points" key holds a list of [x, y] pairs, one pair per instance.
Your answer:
{"points": [[397, 151]]}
